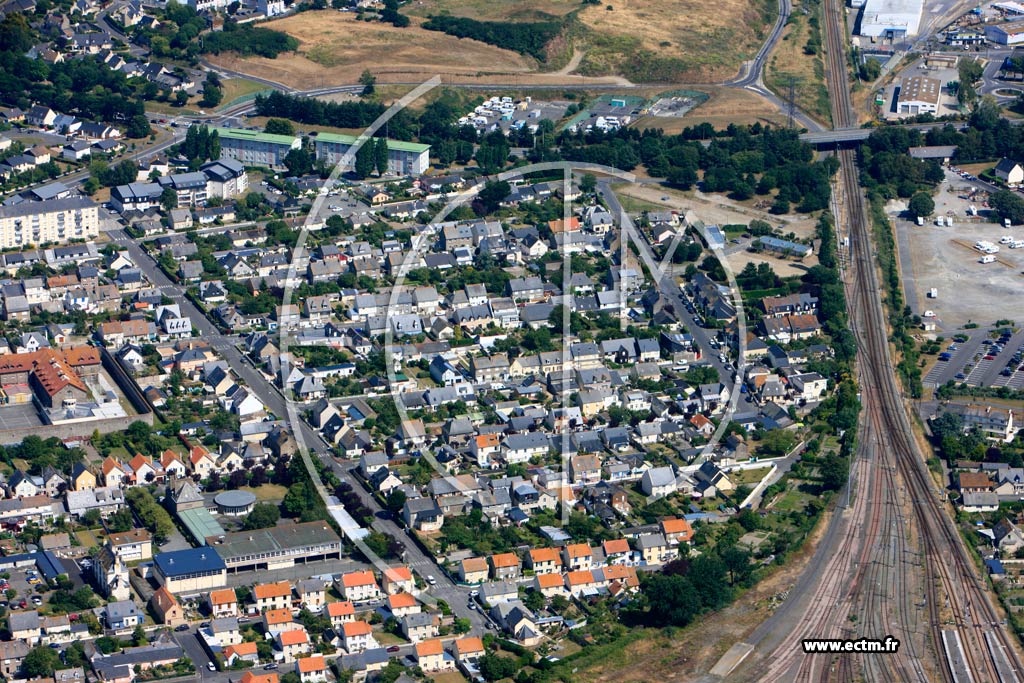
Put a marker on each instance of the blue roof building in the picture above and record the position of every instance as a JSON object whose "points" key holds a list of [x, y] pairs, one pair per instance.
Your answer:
{"points": [[190, 571]]}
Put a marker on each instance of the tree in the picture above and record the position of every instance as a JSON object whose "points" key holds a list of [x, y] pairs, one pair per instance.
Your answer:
{"points": [[395, 501], [368, 81], [1009, 205], [41, 662], [263, 516], [138, 127], [870, 70], [279, 127], [672, 598], [534, 600], [181, 98], [494, 668], [493, 153], [921, 205], [491, 196], [212, 93], [737, 562], [299, 162], [363, 166], [169, 199], [833, 472], [588, 183], [380, 156]]}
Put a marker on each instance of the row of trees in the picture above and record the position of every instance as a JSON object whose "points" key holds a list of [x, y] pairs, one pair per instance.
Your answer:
{"points": [[200, 144], [154, 517], [372, 156], [529, 38], [246, 39]]}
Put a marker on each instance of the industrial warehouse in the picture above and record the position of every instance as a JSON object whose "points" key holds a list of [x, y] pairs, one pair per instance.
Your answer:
{"points": [[890, 19]]}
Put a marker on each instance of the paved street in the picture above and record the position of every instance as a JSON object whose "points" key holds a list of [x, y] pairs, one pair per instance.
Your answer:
{"points": [[419, 561], [669, 287]]}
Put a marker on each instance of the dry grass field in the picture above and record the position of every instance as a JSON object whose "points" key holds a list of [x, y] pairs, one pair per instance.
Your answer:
{"points": [[790, 60], [335, 48], [654, 40], [644, 41], [724, 106]]}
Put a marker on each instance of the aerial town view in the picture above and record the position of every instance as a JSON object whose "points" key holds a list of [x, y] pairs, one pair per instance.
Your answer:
{"points": [[511, 341]]}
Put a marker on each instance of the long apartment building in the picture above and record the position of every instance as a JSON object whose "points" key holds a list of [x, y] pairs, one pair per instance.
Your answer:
{"points": [[404, 158], [56, 221], [253, 148]]}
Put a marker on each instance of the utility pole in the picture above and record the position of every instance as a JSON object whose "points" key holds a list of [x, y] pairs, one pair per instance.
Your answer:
{"points": [[791, 82]]}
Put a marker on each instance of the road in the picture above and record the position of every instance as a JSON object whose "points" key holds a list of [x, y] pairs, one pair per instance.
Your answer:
{"points": [[751, 77], [456, 596], [669, 287]]}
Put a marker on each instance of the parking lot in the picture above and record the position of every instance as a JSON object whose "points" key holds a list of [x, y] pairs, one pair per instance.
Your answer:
{"points": [[943, 258], [981, 361], [502, 113]]}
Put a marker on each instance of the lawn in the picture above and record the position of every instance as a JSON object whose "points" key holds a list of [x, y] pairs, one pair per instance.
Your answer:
{"points": [[239, 87], [792, 500], [752, 476], [386, 639], [633, 205], [268, 493], [87, 539], [450, 677]]}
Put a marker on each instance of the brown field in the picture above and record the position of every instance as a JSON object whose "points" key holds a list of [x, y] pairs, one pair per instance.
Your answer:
{"points": [[725, 106], [335, 48], [661, 41], [643, 41], [788, 60], [632, 37]]}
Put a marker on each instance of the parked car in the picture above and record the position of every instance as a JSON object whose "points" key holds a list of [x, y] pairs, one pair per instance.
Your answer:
{"points": [[394, 648], [181, 627]]}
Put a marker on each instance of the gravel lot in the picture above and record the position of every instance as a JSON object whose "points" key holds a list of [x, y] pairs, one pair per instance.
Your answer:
{"points": [[943, 258]]}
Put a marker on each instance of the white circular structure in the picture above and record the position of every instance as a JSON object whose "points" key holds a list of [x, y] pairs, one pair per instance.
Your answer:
{"points": [[235, 503]]}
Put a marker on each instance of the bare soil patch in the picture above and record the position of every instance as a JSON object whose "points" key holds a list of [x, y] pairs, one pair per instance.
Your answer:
{"points": [[724, 106]]}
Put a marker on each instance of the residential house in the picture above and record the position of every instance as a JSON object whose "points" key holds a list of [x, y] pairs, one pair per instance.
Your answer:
{"points": [[397, 580], [544, 560], [340, 613], [357, 636], [359, 586], [272, 596], [420, 626], [166, 608], [293, 644], [474, 570], [504, 566], [312, 669], [431, 657]]}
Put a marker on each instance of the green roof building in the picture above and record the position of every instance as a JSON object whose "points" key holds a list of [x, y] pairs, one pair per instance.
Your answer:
{"points": [[404, 158], [253, 148]]}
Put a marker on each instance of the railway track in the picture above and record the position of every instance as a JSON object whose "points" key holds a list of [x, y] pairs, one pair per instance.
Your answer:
{"points": [[956, 598]]}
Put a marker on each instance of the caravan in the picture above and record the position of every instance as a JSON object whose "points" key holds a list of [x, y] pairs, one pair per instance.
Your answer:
{"points": [[987, 258]]}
